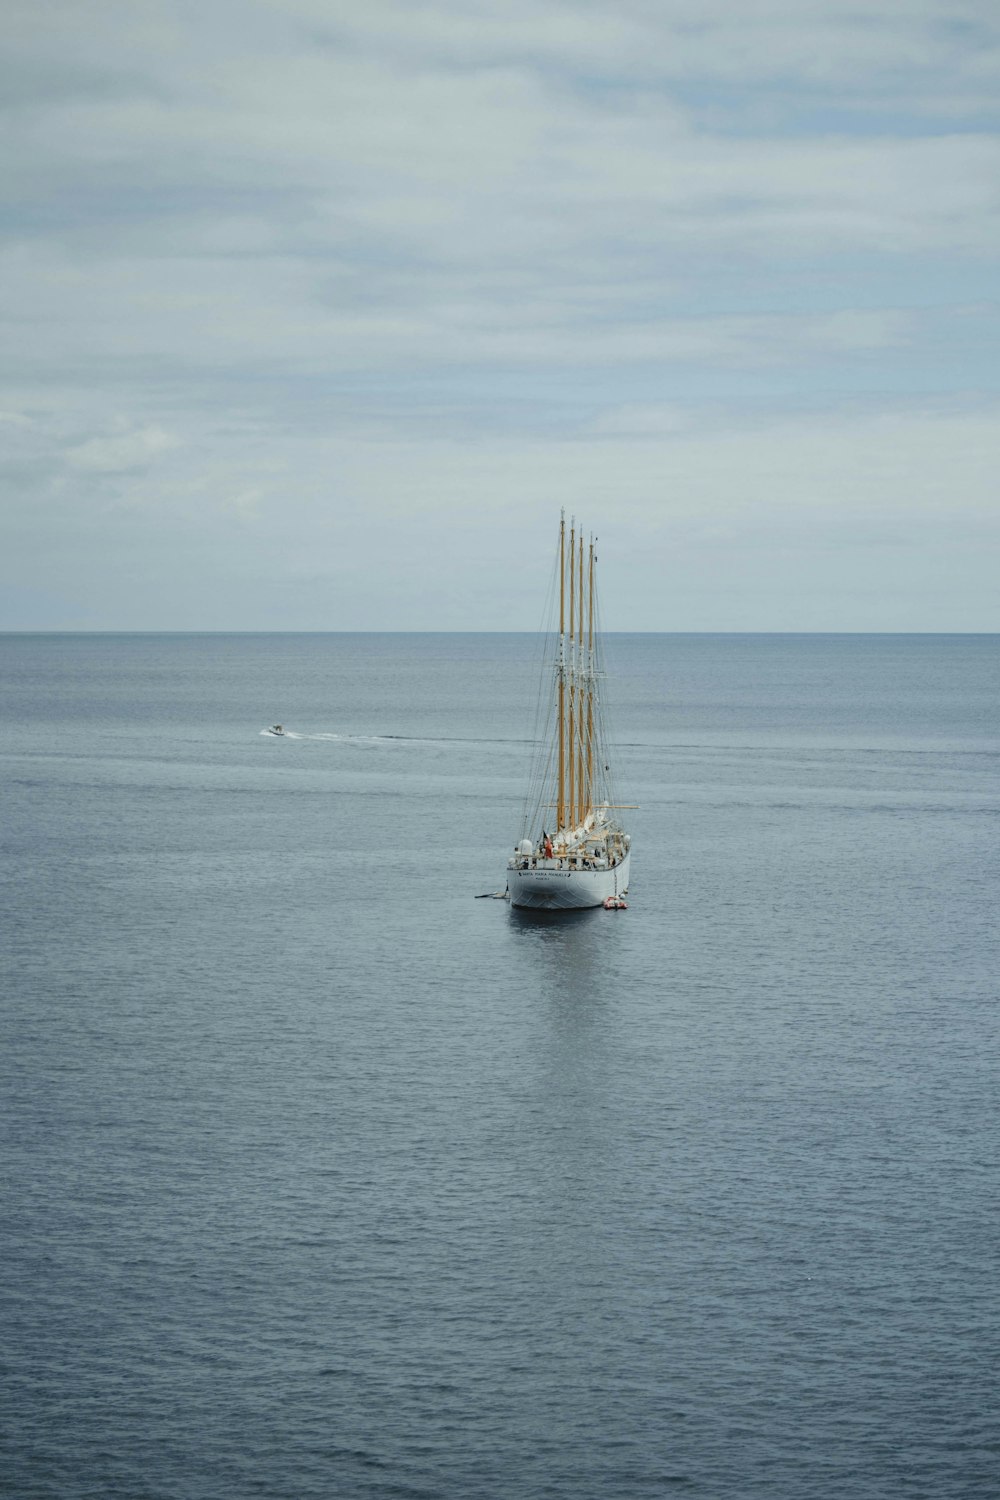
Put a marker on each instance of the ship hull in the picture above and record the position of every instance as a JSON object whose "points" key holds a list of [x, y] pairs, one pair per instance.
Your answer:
{"points": [[546, 887]]}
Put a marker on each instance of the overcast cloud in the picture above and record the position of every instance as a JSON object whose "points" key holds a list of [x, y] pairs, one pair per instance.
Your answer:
{"points": [[316, 313]]}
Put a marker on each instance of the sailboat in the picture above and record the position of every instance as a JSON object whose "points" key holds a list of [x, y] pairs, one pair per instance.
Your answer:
{"points": [[573, 851]]}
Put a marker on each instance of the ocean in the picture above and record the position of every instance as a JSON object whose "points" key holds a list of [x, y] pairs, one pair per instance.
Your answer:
{"points": [[324, 1178]]}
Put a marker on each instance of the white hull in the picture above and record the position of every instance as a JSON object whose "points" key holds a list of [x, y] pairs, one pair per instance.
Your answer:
{"points": [[546, 886]]}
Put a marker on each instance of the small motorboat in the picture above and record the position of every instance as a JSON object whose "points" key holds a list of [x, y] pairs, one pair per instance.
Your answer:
{"points": [[615, 903], [275, 729]]}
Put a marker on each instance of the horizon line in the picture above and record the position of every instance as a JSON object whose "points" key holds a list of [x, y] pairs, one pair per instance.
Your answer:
{"points": [[134, 631]]}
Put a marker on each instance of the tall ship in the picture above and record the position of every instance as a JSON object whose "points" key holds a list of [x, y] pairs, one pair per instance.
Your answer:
{"points": [[573, 851]]}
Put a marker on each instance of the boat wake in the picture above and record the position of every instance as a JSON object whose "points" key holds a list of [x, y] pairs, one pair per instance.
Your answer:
{"points": [[350, 739]]}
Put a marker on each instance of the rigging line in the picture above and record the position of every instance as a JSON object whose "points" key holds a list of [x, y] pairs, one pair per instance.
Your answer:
{"points": [[605, 742], [538, 764], [609, 748]]}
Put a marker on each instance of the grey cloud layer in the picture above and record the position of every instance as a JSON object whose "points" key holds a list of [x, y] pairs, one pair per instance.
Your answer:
{"points": [[274, 265]]}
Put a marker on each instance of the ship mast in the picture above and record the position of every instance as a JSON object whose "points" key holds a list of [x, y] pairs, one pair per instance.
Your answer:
{"points": [[576, 685], [590, 679], [581, 791], [572, 728], [561, 679]]}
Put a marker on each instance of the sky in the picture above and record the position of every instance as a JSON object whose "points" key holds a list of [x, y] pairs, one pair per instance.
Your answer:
{"points": [[316, 314]]}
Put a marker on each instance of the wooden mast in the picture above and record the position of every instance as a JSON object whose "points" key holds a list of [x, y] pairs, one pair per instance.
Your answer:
{"points": [[561, 680], [572, 727], [590, 679], [581, 788]]}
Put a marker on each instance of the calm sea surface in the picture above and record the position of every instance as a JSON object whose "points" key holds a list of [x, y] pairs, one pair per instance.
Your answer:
{"points": [[322, 1178]]}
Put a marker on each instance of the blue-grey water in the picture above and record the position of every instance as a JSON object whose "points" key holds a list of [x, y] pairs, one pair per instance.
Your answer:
{"points": [[322, 1178]]}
